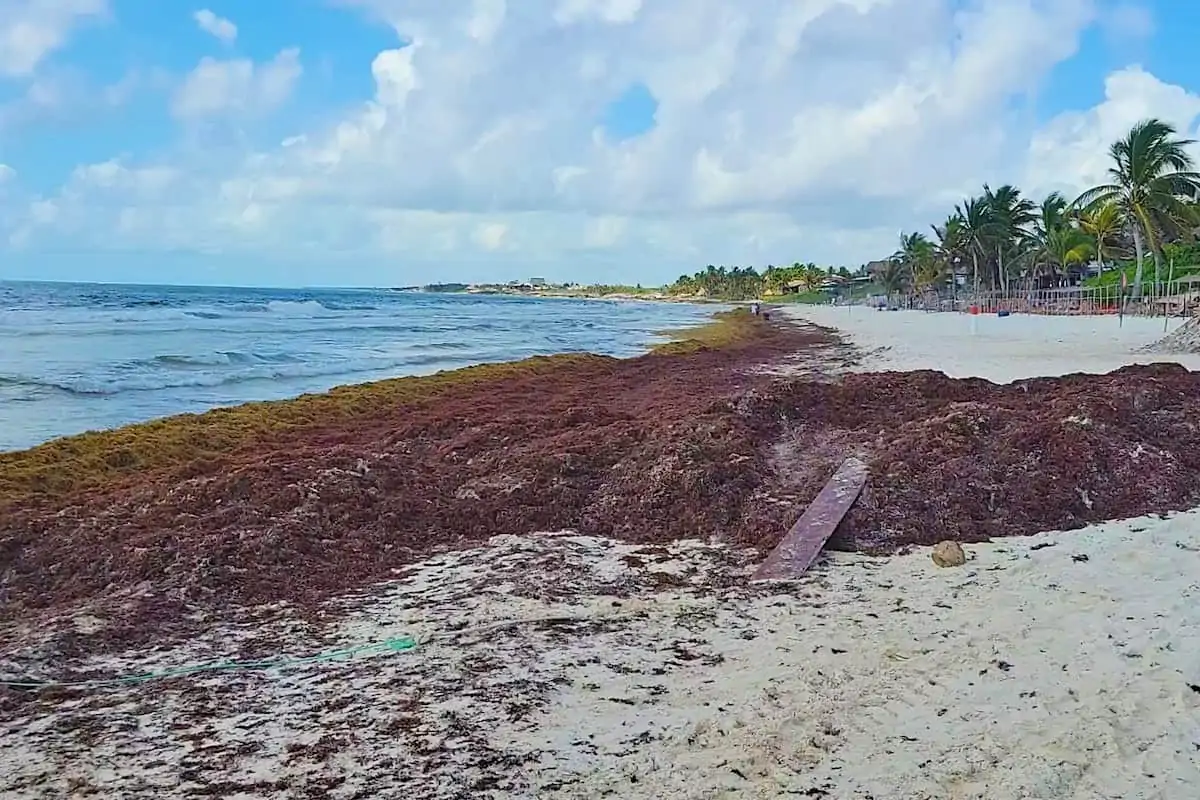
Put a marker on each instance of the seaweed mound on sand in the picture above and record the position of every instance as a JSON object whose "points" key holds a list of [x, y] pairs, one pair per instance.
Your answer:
{"points": [[324, 496], [304, 500], [970, 460]]}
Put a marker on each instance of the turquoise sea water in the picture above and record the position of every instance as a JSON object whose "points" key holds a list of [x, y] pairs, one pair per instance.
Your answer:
{"points": [[77, 357]]}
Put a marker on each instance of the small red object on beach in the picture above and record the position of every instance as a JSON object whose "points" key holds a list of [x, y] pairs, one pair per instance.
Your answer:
{"points": [[975, 310]]}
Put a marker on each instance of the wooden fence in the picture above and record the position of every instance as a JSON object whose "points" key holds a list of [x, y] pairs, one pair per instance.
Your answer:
{"points": [[1176, 299]]}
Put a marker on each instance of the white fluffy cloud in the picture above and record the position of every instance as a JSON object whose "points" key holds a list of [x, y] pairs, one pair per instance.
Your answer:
{"points": [[786, 129], [219, 27], [64, 95], [217, 87], [1072, 151], [30, 30]]}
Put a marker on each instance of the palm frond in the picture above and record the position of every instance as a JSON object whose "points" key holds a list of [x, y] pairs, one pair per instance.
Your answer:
{"points": [[1104, 194]]}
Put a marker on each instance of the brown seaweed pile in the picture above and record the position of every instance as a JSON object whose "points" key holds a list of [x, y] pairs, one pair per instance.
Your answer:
{"points": [[688, 443], [643, 449], [970, 460]]}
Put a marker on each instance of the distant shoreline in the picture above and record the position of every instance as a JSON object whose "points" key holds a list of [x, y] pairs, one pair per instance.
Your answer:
{"points": [[617, 293], [557, 292]]}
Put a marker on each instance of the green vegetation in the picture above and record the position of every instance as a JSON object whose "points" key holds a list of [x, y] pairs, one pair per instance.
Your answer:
{"points": [[746, 283], [445, 288], [608, 290], [1000, 239], [857, 290], [1183, 261], [545, 290], [802, 297], [1153, 189]]}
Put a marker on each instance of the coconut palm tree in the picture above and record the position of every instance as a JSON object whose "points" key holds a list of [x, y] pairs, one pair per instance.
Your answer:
{"points": [[773, 280], [975, 224], [813, 276], [917, 254], [1151, 180], [930, 274], [1064, 247], [1103, 224], [1051, 214], [1009, 214], [949, 238], [892, 277], [1054, 243], [951, 246]]}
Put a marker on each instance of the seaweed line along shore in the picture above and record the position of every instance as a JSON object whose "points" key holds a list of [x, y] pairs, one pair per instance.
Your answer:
{"points": [[500, 552]]}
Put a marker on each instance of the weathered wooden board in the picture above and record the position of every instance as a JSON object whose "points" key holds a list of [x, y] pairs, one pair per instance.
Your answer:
{"points": [[802, 544]]}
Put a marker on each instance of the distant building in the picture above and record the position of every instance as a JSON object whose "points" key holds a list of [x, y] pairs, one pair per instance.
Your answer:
{"points": [[537, 281]]}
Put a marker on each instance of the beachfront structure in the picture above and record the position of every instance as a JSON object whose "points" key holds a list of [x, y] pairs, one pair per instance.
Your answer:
{"points": [[1175, 298]]}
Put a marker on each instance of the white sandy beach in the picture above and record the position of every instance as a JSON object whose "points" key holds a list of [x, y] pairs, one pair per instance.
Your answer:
{"points": [[1028, 673], [1000, 349], [1063, 665]]}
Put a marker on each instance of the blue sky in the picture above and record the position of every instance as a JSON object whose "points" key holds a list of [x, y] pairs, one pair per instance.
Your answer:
{"points": [[389, 142]]}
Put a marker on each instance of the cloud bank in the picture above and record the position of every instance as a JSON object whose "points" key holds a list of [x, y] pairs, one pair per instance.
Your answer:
{"points": [[783, 130]]}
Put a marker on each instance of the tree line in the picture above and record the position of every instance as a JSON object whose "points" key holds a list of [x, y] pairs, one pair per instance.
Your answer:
{"points": [[1147, 209], [747, 283]]}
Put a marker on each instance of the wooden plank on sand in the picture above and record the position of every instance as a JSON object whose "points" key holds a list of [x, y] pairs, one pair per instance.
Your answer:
{"points": [[802, 544]]}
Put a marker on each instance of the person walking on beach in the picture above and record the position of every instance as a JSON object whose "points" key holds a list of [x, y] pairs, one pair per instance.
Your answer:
{"points": [[754, 307]]}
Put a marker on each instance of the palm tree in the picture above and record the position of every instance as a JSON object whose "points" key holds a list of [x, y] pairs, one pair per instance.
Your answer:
{"points": [[1008, 213], [1055, 244], [772, 280], [950, 238], [952, 247], [1151, 180], [930, 274], [1103, 224], [892, 277], [1051, 214], [811, 277], [1066, 246], [975, 223], [916, 253]]}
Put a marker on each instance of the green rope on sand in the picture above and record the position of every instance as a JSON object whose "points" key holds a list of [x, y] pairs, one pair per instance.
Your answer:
{"points": [[389, 646]]}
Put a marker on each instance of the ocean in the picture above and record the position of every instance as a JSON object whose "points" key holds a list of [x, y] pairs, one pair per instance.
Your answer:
{"points": [[78, 357]]}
